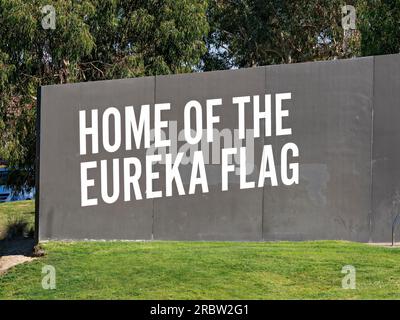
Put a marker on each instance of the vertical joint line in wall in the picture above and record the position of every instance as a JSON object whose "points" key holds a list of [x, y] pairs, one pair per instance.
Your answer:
{"points": [[262, 208], [263, 188], [372, 153], [153, 216]]}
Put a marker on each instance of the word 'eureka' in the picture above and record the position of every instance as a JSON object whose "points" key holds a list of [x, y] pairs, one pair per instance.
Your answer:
{"points": [[130, 130]]}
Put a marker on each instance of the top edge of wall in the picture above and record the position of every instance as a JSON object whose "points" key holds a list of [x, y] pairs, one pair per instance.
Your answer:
{"points": [[219, 71]]}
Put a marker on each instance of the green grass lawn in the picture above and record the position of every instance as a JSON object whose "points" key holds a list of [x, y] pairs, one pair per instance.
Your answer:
{"points": [[206, 270]]}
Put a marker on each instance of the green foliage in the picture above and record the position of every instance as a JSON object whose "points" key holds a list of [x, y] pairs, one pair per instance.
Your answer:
{"points": [[261, 32], [379, 24], [246, 33], [93, 40]]}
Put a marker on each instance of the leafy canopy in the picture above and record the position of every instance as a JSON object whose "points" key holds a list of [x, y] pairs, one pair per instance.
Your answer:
{"points": [[93, 40]]}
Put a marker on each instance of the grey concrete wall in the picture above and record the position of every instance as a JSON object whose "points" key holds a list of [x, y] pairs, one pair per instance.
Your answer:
{"points": [[343, 116], [331, 117], [216, 215], [60, 214]]}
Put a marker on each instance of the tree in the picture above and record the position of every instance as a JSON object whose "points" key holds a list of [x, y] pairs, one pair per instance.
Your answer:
{"points": [[93, 40], [379, 24], [246, 33]]}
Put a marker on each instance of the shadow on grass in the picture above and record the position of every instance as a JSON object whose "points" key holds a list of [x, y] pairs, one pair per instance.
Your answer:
{"points": [[17, 239]]}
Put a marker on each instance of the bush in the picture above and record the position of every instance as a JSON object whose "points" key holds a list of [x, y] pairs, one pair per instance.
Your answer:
{"points": [[18, 228]]}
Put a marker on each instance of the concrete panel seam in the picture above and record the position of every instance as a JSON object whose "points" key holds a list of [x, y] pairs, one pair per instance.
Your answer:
{"points": [[153, 215], [372, 151], [263, 189]]}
